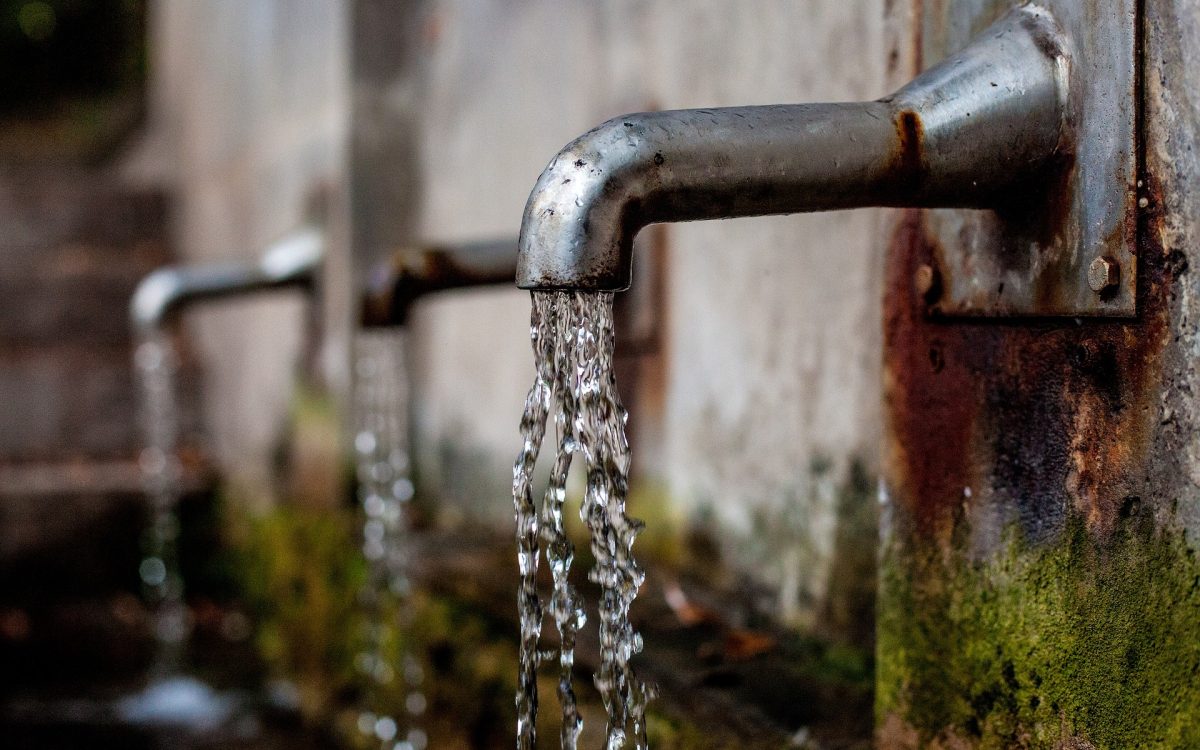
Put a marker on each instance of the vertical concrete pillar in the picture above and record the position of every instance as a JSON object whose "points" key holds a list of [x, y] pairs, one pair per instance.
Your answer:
{"points": [[1039, 585]]}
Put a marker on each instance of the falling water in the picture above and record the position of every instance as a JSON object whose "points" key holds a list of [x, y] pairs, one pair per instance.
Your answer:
{"points": [[157, 362], [572, 336], [385, 489]]}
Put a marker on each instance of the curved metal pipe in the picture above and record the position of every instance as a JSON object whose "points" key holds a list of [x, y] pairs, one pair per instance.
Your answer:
{"points": [[291, 262], [962, 134], [410, 274]]}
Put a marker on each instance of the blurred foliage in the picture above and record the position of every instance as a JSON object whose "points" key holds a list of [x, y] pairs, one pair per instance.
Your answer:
{"points": [[56, 49], [301, 574], [72, 78]]}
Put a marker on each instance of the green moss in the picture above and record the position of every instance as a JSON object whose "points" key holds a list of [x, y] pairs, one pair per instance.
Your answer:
{"points": [[671, 732], [301, 574], [1091, 638], [668, 733], [849, 609]]}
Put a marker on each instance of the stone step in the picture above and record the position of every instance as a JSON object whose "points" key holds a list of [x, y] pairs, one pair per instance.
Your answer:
{"points": [[74, 245], [65, 402], [79, 309], [77, 521], [79, 223]]}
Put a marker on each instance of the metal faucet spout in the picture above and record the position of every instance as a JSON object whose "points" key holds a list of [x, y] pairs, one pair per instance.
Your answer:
{"points": [[412, 273], [962, 135], [292, 262]]}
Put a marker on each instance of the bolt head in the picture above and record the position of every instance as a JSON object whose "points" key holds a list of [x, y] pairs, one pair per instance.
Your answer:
{"points": [[1104, 275], [926, 282]]}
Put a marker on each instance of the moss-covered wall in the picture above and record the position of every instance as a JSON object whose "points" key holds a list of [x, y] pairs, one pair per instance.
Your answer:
{"points": [[1093, 639], [1039, 586]]}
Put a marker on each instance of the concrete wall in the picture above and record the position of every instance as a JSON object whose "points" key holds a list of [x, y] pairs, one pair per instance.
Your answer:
{"points": [[766, 391], [249, 112]]}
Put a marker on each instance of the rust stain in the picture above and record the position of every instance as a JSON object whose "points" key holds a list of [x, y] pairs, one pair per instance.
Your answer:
{"points": [[412, 274], [928, 390], [641, 356], [910, 157], [1045, 417]]}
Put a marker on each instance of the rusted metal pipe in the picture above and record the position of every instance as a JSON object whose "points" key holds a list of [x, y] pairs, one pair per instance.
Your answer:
{"points": [[292, 262], [412, 273], [964, 134]]}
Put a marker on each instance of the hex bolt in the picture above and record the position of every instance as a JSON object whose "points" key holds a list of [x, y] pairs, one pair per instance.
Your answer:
{"points": [[927, 283], [1104, 275]]}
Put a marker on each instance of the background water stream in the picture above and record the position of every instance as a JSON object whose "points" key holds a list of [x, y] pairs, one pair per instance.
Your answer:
{"points": [[385, 489], [157, 364]]}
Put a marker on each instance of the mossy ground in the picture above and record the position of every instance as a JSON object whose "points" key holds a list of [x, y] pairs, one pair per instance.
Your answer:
{"points": [[300, 572], [1085, 639]]}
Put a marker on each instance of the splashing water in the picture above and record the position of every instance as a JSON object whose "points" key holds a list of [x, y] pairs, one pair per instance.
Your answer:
{"points": [[572, 334], [156, 362], [385, 489]]}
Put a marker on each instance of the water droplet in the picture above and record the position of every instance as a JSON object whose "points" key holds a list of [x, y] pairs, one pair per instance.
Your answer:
{"points": [[153, 571], [415, 703], [385, 728], [364, 442], [366, 722], [382, 464], [417, 739]]}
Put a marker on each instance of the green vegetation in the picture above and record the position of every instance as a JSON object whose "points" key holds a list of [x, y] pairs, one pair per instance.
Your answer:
{"points": [[301, 574], [72, 77]]}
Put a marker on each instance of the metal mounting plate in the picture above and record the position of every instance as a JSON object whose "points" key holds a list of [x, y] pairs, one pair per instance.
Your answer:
{"points": [[1033, 258]]}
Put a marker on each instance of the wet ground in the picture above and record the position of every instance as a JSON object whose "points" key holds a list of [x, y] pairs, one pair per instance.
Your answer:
{"points": [[727, 677], [76, 676]]}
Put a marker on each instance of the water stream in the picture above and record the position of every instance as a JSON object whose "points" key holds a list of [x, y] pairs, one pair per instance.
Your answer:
{"points": [[572, 335], [157, 363], [393, 674], [171, 697]]}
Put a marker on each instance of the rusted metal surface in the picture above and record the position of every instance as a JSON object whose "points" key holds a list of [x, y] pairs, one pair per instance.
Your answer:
{"points": [[1024, 421], [1033, 255], [412, 273], [640, 361]]}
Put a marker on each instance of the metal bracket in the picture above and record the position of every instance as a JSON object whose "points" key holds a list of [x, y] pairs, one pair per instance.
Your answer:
{"points": [[1069, 249]]}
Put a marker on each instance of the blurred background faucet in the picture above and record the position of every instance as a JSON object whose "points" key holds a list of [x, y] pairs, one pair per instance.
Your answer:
{"points": [[409, 274], [290, 263]]}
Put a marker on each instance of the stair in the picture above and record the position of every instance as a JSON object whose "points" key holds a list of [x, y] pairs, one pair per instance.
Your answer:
{"points": [[74, 243]]}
